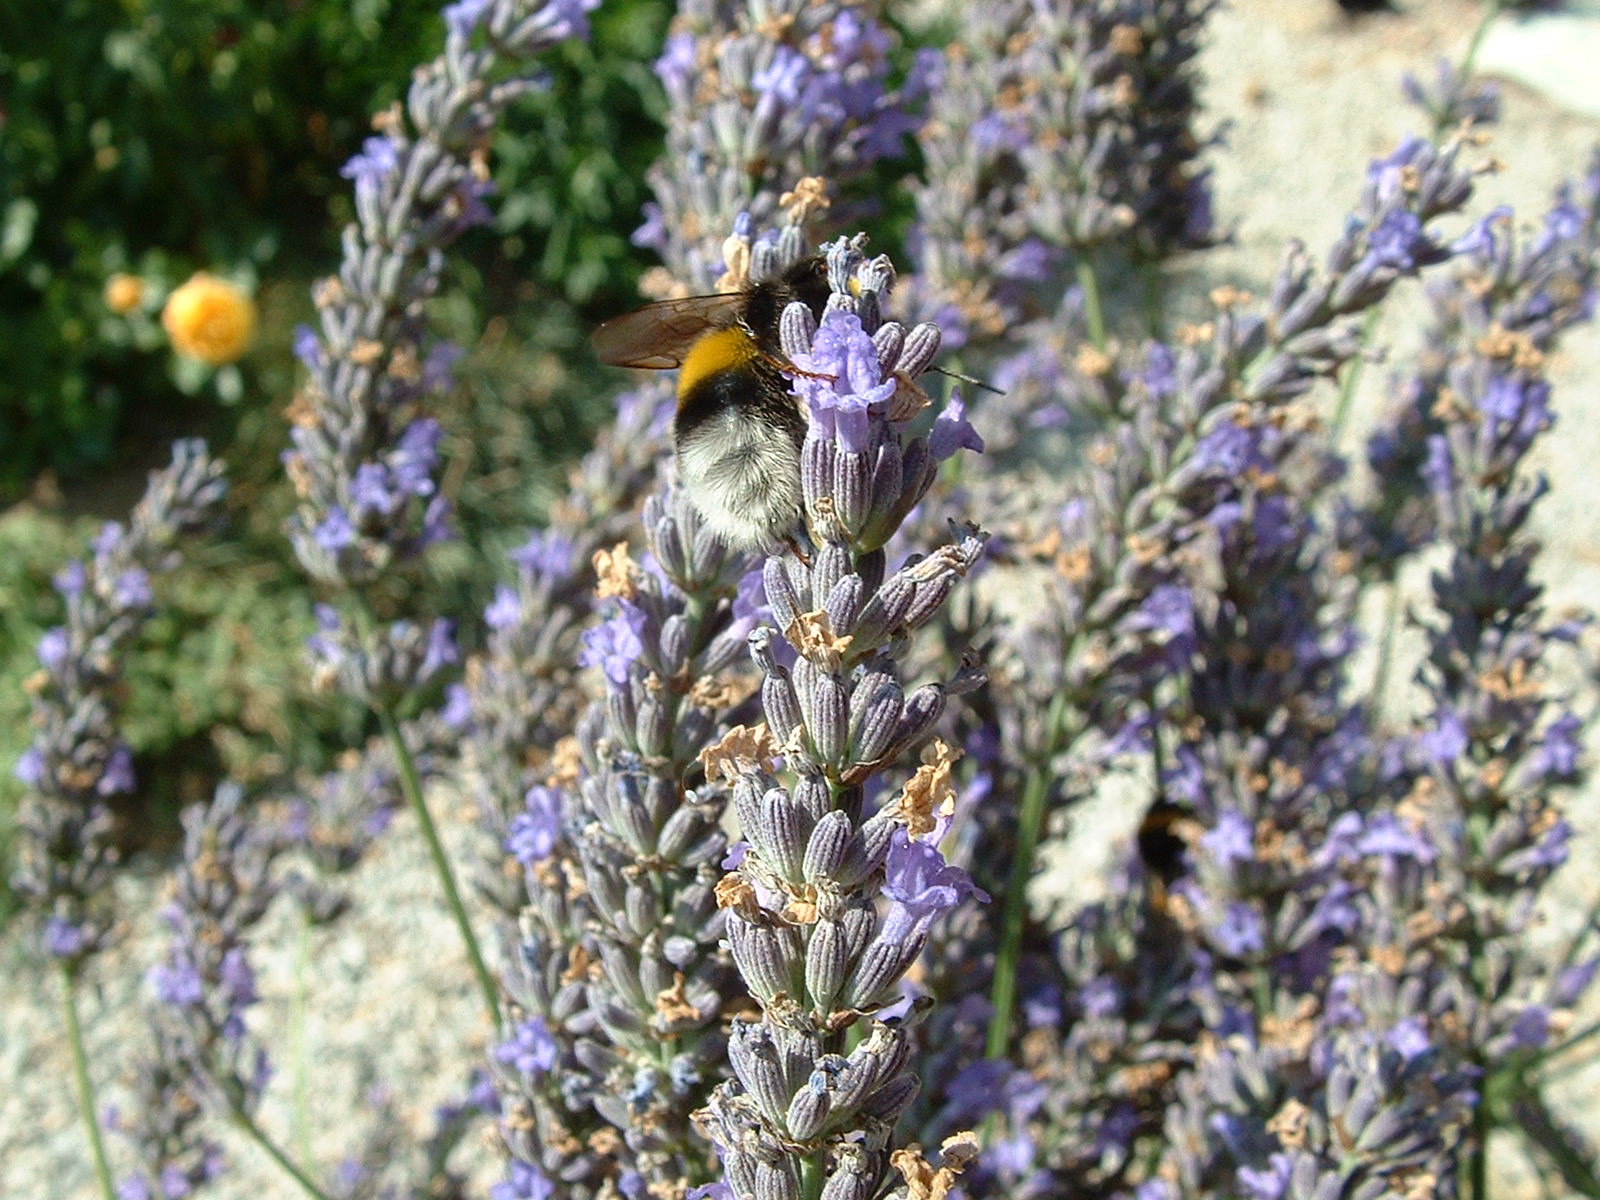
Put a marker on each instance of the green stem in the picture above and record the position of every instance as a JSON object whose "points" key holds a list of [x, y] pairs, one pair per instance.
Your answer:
{"points": [[1352, 376], [1478, 1153], [811, 1177], [1154, 302], [1469, 60], [1030, 820], [80, 1077], [298, 1057], [411, 785], [255, 1134], [1093, 316]]}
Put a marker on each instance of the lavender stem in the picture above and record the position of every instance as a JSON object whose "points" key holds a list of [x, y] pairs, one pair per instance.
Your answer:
{"points": [[1470, 58], [1093, 315], [248, 1127], [1030, 819], [411, 785], [1369, 324], [80, 1076], [1574, 1166], [1154, 301], [1352, 376], [1478, 1153]]}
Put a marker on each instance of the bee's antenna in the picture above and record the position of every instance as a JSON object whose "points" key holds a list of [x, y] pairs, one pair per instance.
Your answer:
{"points": [[977, 383]]}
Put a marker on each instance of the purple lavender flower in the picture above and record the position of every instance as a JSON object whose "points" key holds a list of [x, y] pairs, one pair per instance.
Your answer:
{"points": [[615, 644], [922, 886], [756, 106], [77, 758], [801, 903], [530, 1049], [532, 835]]}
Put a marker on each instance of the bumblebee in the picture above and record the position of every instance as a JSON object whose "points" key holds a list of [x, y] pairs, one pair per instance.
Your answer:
{"points": [[738, 429], [1162, 846]]}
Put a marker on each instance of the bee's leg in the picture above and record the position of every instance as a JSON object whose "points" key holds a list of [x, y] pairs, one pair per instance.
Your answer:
{"points": [[794, 549], [788, 368]]}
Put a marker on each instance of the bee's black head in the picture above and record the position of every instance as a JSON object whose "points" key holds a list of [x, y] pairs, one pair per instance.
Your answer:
{"points": [[806, 281]]}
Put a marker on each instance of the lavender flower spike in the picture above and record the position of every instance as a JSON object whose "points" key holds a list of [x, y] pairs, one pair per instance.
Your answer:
{"points": [[77, 760], [762, 96], [807, 1113], [618, 979], [365, 457]]}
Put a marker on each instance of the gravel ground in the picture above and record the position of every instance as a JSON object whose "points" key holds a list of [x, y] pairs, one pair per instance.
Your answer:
{"points": [[1310, 98]]}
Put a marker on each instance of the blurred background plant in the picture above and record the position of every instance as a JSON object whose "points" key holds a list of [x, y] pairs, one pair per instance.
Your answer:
{"points": [[146, 141]]}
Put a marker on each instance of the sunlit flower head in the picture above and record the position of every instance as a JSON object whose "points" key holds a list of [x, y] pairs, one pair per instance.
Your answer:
{"points": [[210, 319]]}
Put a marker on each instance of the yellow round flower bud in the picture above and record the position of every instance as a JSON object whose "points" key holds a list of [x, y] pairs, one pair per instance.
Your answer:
{"points": [[209, 319], [124, 293]]}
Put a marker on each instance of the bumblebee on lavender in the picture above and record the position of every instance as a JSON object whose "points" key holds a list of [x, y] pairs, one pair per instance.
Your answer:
{"points": [[737, 429]]}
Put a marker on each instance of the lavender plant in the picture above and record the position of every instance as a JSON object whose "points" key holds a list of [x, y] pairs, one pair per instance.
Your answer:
{"points": [[365, 457], [811, 1107], [205, 1056], [1498, 735], [618, 984], [521, 700], [78, 761], [762, 96], [1183, 615], [766, 892], [1058, 132], [768, 111]]}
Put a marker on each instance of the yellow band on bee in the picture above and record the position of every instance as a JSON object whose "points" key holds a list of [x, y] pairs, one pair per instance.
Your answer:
{"points": [[717, 351]]}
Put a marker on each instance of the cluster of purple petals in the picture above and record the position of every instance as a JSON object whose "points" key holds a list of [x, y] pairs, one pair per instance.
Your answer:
{"points": [[205, 1058]]}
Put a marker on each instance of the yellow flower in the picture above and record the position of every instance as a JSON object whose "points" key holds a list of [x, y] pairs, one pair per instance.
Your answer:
{"points": [[209, 319], [124, 293]]}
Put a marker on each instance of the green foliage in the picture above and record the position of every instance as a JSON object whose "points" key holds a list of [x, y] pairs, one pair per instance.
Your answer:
{"points": [[571, 160], [157, 137]]}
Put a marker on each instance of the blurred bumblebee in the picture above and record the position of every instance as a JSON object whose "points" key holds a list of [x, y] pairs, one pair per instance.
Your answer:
{"points": [[1164, 837], [738, 429]]}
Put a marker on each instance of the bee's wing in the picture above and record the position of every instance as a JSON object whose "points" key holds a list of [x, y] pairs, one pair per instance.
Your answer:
{"points": [[658, 335]]}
